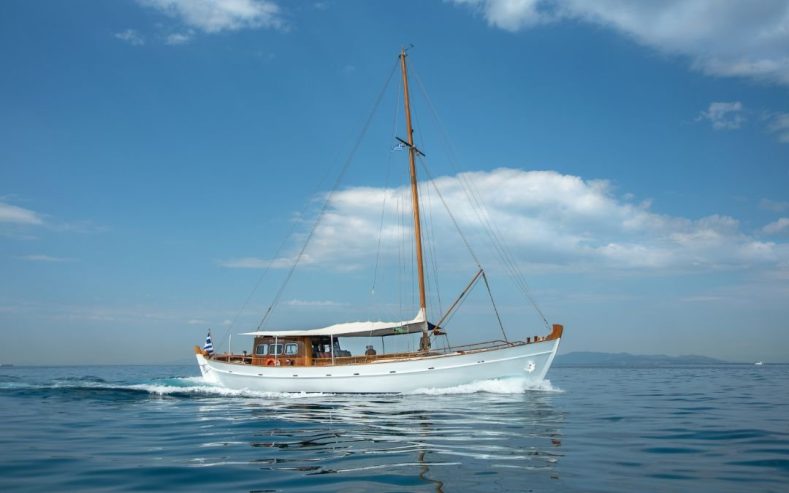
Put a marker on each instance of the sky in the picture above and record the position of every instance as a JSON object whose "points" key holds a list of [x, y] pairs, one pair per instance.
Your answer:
{"points": [[163, 162]]}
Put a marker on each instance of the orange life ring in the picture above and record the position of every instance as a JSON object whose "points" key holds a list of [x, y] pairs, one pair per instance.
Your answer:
{"points": [[270, 362]]}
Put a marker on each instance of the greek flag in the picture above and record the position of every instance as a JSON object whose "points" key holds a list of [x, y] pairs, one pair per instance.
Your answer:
{"points": [[209, 346]]}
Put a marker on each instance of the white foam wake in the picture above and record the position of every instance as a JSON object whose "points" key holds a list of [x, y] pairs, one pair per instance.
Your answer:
{"points": [[198, 386], [494, 386]]}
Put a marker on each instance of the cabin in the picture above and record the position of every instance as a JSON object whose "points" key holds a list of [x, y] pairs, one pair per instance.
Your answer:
{"points": [[296, 351]]}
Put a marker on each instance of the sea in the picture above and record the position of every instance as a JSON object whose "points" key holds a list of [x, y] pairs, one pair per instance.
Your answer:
{"points": [[161, 428]]}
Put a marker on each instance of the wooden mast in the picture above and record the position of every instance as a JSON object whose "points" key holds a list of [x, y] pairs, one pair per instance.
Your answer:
{"points": [[425, 342]]}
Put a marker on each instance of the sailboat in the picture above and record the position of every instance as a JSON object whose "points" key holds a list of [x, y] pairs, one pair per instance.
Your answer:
{"points": [[313, 360]]}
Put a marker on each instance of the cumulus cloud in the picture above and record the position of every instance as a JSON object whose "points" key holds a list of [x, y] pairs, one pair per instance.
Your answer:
{"points": [[548, 219], [777, 227], [131, 37], [18, 215], [213, 16], [721, 37], [723, 116]]}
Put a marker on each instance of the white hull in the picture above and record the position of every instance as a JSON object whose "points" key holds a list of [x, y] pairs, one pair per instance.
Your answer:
{"points": [[529, 361]]}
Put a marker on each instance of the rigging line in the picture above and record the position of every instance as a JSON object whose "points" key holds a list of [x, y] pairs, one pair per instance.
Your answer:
{"points": [[400, 266], [383, 204], [401, 252], [329, 196], [506, 256], [432, 245], [474, 197], [380, 232], [423, 162], [467, 188], [432, 258], [448, 345], [412, 264], [279, 249], [454, 221], [462, 295], [485, 278], [509, 260], [452, 314], [257, 284]]}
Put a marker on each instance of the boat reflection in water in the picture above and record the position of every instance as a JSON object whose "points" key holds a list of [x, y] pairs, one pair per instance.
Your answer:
{"points": [[409, 441]]}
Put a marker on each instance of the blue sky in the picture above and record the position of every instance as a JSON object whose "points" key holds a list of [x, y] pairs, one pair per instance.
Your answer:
{"points": [[156, 154]]}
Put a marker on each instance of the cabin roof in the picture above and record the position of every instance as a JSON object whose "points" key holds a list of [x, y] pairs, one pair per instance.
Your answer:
{"points": [[354, 329]]}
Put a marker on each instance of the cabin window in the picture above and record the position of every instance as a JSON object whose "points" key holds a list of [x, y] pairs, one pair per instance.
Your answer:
{"points": [[291, 349], [261, 350], [275, 349]]}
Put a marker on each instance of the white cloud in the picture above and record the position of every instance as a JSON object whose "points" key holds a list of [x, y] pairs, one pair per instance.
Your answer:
{"points": [[259, 263], [45, 258], [550, 220], [512, 15], [131, 36], [196, 321], [314, 303], [178, 38], [18, 215], [724, 116], [213, 16], [721, 37], [779, 125], [245, 263], [779, 226], [774, 205]]}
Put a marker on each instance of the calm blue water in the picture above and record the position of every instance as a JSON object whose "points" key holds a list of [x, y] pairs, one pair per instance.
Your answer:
{"points": [[159, 428]]}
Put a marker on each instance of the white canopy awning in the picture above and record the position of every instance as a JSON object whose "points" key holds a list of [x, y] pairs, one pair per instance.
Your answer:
{"points": [[353, 329]]}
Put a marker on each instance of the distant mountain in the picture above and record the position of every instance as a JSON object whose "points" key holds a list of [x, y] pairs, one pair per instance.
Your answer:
{"points": [[586, 358]]}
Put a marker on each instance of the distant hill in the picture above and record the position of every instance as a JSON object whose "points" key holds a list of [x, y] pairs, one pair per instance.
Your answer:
{"points": [[586, 358]]}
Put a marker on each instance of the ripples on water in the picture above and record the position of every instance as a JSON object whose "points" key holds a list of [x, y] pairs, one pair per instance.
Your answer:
{"points": [[158, 428]]}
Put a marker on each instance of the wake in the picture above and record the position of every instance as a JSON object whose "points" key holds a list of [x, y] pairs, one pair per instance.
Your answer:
{"points": [[494, 386], [187, 387]]}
